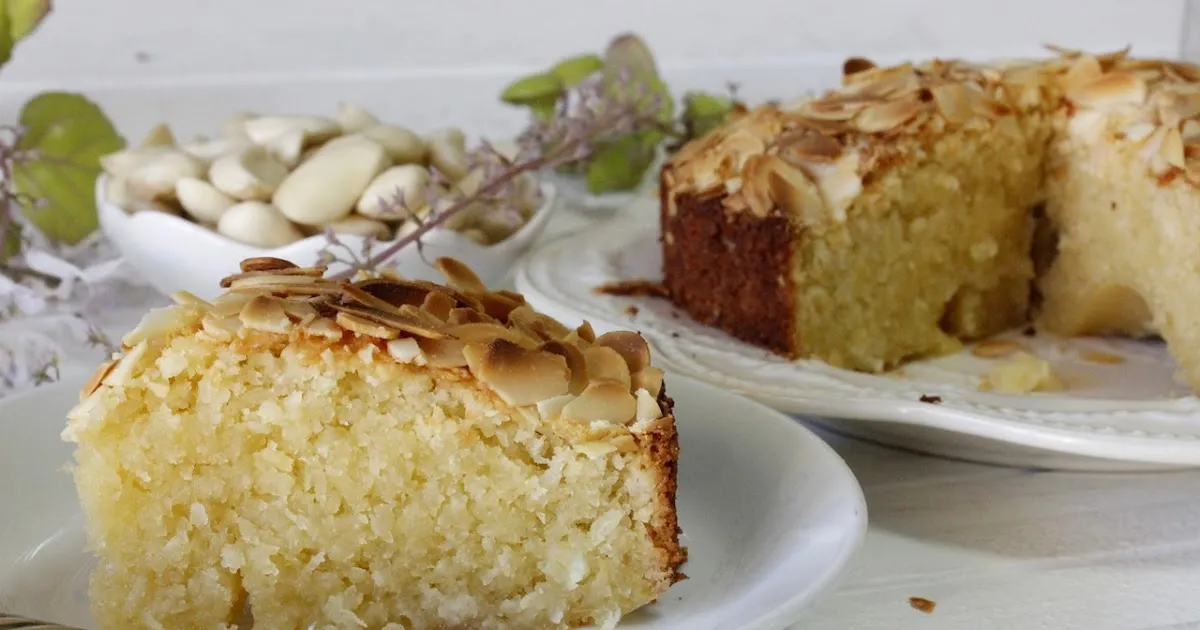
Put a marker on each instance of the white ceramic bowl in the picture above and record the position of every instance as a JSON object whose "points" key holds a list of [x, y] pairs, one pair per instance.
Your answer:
{"points": [[175, 254]]}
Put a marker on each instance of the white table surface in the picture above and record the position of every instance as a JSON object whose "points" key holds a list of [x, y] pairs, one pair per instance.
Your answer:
{"points": [[993, 547]]}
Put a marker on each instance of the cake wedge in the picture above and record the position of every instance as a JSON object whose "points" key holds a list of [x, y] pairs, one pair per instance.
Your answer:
{"points": [[383, 453]]}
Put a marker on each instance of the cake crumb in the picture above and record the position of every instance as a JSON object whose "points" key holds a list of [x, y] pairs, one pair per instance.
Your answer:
{"points": [[992, 348], [1029, 331], [1099, 356], [933, 400], [634, 287], [1024, 373], [924, 605], [631, 310]]}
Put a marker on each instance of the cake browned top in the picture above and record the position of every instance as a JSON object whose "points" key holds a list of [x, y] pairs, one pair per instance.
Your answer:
{"points": [[814, 155], [526, 358]]}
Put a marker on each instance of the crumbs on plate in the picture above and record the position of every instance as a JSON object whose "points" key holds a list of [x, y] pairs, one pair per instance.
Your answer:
{"points": [[924, 605], [933, 400], [1024, 373]]}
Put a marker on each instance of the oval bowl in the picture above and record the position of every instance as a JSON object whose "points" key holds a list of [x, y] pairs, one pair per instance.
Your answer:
{"points": [[173, 253]]}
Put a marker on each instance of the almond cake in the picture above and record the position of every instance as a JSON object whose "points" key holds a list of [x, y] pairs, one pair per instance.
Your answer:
{"points": [[919, 206], [383, 453]]}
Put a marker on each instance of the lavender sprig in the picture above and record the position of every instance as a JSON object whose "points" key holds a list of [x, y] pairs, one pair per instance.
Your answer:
{"points": [[589, 114]]}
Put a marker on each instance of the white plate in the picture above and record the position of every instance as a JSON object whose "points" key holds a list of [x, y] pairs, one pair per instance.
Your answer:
{"points": [[1132, 416], [770, 514]]}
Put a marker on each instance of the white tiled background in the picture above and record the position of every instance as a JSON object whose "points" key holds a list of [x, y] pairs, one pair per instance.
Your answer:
{"points": [[428, 63]]}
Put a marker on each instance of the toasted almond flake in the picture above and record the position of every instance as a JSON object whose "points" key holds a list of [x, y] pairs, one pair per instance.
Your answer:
{"points": [[301, 272], [604, 401], [954, 102], [535, 324], [160, 322], [886, 116], [519, 376], [459, 275], [266, 263], [607, 364], [1171, 149], [466, 316], [1084, 70], [854, 65], [1099, 356], [650, 379], [122, 373], [586, 332], [811, 147], [1110, 90], [496, 305], [487, 331], [364, 326], [992, 348], [97, 378], [576, 363], [221, 327], [630, 345], [550, 409], [443, 353], [1138, 131], [299, 311], [186, 298], [438, 304], [647, 406], [265, 314], [398, 320]]}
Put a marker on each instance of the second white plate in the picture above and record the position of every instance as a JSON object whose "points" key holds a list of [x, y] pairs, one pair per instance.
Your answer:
{"points": [[1112, 417]]}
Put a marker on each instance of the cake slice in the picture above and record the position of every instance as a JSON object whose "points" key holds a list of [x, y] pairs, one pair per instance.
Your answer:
{"points": [[378, 454]]}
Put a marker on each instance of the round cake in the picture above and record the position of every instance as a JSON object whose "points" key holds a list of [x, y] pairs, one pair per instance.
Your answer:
{"points": [[918, 206]]}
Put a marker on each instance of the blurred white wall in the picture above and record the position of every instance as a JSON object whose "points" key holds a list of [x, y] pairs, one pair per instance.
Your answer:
{"points": [[436, 62]]}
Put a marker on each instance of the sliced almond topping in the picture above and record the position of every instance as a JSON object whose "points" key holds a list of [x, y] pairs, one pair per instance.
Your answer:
{"points": [[122, 372], [459, 275], [606, 364], [604, 401], [266, 263], [186, 298], [301, 312], [160, 322], [854, 65], [496, 305], [97, 377], [585, 332], [265, 314], [576, 363], [443, 353], [647, 406], [811, 147], [649, 379], [886, 116], [364, 326], [1171, 149], [1084, 70], [406, 350], [956, 103], [466, 316], [438, 304], [1191, 130], [519, 376], [484, 332], [1110, 90], [302, 272], [630, 345], [398, 321], [551, 408], [541, 327], [395, 292], [325, 328], [221, 327], [1138, 131]]}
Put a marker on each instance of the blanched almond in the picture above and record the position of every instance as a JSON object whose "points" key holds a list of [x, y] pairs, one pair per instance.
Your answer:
{"points": [[251, 174], [354, 118], [259, 224], [326, 187], [402, 145], [382, 198], [202, 200]]}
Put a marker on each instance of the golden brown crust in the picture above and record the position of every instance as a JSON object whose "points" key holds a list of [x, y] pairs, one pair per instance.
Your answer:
{"points": [[661, 442]]}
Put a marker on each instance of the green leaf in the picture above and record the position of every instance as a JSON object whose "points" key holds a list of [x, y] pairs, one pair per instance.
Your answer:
{"points": [[533, 89], [25, 16], [622, 163], [65, 136], [7, 41], [703, 112], [572, 70]]}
